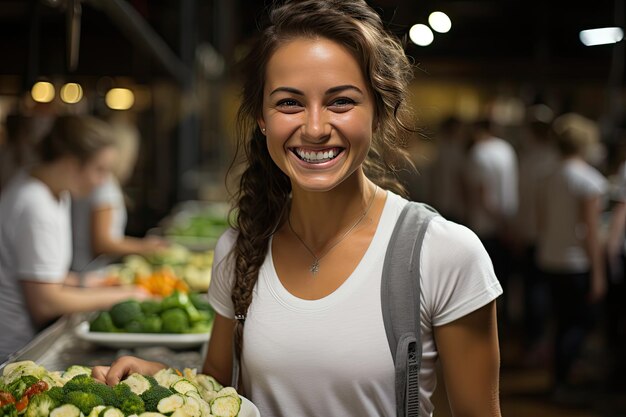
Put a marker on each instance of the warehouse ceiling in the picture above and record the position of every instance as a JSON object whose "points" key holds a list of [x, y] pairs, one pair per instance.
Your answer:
{"points": [[488, 37]]}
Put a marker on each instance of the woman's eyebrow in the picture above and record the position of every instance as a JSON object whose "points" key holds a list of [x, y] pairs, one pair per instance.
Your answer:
{"points": [[288, 90], [331, 90], [339, 88]]}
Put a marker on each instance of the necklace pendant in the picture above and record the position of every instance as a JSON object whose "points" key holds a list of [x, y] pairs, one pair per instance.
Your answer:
{"points": [[315, 267]]}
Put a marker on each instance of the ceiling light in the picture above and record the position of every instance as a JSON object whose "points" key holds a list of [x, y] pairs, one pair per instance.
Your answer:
{"points": [[71, 93], [119, 99], [421, 35], [601, 36], [440, 22], [42, 92]]}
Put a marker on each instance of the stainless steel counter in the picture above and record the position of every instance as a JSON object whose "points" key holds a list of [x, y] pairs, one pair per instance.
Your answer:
{"points": [[57, 347]]}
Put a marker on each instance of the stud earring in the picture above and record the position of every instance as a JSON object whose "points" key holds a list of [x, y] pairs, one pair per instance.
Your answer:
{"points": [[263, 129]]}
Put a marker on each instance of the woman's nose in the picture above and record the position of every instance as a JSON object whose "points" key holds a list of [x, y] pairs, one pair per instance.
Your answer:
{"points": [[316, 128]]}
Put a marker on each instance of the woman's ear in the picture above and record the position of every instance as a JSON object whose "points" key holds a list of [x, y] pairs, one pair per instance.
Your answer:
{"points": [[261, 124]]}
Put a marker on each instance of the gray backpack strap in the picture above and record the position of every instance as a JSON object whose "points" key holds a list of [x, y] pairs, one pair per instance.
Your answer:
{"points": [[400, 296]]}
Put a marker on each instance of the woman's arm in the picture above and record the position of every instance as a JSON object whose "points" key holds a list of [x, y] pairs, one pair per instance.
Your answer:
{"points": [[46, 301], [218, 361], [103, 243], [591, 209], [470, 358]]}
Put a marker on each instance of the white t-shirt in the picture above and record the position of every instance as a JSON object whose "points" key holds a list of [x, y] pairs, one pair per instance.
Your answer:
{"points": [[330, 357], [536, 163], [561, 245], [108, 195], [35, 245], [492, 165]]}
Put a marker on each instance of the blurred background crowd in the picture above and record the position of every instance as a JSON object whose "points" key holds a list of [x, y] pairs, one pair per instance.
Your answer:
{"points": [[522, 138]]}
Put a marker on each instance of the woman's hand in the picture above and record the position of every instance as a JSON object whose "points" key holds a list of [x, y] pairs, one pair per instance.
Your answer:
{"points": [[124, 366]]}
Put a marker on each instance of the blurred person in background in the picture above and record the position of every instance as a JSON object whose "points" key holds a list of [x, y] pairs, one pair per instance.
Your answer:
{"points": [[569, 250], [22, 133], [616, 279], [491, 181], [99, 219], [35, 232], [447, 170], [538, 158]]}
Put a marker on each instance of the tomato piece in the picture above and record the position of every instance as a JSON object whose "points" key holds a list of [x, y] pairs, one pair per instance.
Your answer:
{"points": [[36, 388], [6, 398], [22, 403]]}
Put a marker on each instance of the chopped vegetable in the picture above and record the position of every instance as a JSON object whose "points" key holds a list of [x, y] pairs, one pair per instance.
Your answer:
{"points": [[128, 401], [103, 323], [124, 312], [85, 401], [171, 403], [152, 396], [183, 386], [40, 405], [111, 412], [8, 410], [226, 406], [66, 410], [175, 320], [137, 383], [20, 385], [74, 370]]}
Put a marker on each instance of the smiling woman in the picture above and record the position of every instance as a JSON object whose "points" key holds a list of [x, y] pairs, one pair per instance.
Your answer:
{"points": [[321, 123]]}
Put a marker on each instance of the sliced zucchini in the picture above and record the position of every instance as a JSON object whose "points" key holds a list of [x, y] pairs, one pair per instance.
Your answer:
{"points": [[207, 395], [226, 406], [111, 412], [208, 382], [171, 403], [228, 391], [184, 386], [95, 412], [150, 414], [137, 383], [74, 370], [66, 410]]}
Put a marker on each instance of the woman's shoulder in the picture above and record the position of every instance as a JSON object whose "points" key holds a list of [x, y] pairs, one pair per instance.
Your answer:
{"points": [[225, 245]]}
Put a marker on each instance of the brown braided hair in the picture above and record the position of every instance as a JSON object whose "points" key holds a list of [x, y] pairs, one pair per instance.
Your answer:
{"points": [[264, 189]]}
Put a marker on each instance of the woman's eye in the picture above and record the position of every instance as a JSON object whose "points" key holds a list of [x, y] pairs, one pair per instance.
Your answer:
{"points": [[342, 102], [288, 102]]}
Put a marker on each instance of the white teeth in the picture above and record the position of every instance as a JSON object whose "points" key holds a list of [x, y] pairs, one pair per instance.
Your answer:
{"points": [[316, 156]]}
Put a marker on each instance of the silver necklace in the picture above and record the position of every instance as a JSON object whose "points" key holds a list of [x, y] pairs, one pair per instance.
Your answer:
{"points": [[315, 266]]}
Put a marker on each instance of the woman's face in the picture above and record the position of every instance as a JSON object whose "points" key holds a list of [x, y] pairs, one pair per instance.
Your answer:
{"points": [[94, 172], [318, 113]]}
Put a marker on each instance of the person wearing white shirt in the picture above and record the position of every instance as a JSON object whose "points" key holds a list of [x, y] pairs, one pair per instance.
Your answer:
{"points": [[35, 232], [569, 250]]}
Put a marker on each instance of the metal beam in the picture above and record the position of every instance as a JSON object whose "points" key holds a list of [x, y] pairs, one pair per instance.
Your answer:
{"points": [[135, 27]]}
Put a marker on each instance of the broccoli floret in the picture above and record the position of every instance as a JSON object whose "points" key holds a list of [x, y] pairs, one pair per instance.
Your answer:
{"points": [[175, 320], [201, 327], [151, 324], [40, 405], [17, 387], [8, 410], [150, 307], [199, 301], [181, 300], [155, 394], [103, 323], [125, 312], [80, 382], [128, 401], [57, 394], [85, 401], [105, 392]]}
